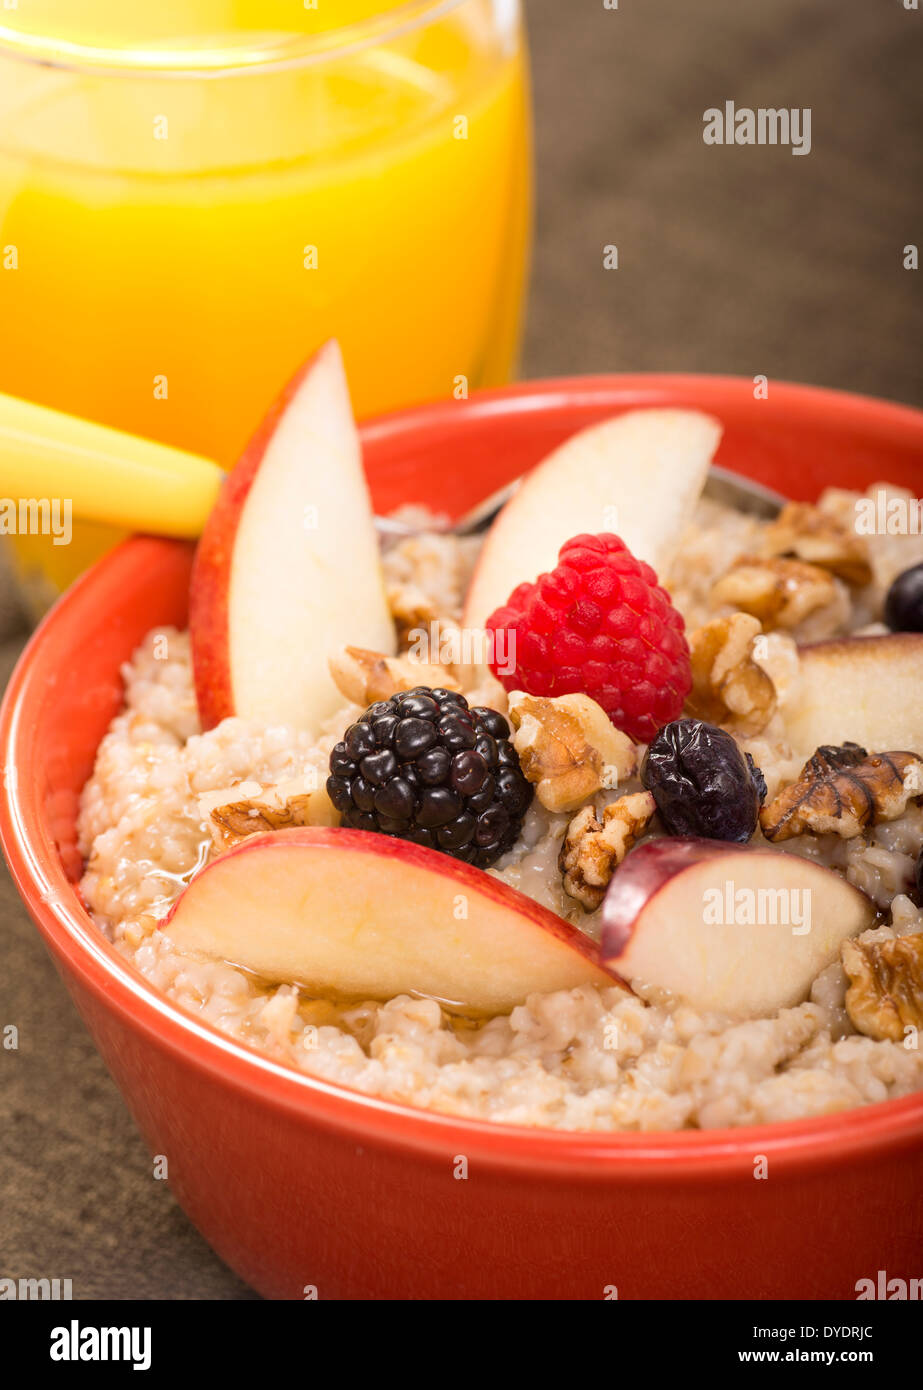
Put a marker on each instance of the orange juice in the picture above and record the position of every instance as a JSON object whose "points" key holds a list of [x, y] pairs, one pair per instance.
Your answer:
{"points": [[183, 221]]}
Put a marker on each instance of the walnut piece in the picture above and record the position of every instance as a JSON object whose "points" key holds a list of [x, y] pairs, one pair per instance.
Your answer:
{"points": [[592, 852], [781, 593], [817, 537], [885, 995], [569, 748], [777, 654], [841, 791], [413, 612], [364, 676], [728, 687], [233, 813]]}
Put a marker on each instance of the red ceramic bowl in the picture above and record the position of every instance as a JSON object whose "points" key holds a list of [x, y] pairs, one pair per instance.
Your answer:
{"points": [[296, 1183]]}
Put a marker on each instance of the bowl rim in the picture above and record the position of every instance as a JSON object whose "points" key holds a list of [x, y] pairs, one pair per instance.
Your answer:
{"points": [[652, 1157]]}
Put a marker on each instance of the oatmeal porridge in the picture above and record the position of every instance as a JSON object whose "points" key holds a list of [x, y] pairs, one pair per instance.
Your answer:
{"points": [[574, 800]]}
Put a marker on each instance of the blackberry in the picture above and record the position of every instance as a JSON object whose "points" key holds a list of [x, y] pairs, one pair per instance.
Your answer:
{"points": [[426, 768]]}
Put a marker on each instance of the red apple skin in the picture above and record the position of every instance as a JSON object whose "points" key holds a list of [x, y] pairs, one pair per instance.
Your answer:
{"points": [[648, 868], [466, 875], [211, 574]]}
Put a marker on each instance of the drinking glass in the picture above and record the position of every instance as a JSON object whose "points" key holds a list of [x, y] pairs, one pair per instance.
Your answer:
{"points": [[194, 195]]}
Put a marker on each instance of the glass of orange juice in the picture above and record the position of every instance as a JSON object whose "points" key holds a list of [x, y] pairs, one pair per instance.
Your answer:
{"points": [[195, 194]]}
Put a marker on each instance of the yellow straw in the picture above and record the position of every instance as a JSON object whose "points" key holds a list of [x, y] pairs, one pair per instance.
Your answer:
{"points": [[108, 476]]}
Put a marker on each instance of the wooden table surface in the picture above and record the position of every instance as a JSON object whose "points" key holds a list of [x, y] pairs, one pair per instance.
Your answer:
{"points": [[731, 259]]}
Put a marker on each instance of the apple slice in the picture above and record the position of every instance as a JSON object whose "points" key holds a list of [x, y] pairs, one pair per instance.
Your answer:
{"points": [[743, 932], [865, 690], [355, 914], [288, 562], [639, 475]]}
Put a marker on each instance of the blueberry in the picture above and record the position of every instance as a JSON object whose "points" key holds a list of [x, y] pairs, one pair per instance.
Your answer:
{"points": [[702, 783], [759, 781], [904, 604]]}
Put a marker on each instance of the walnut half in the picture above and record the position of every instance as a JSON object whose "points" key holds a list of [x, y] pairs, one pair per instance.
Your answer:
{"points": [[728, 687], [569, 748], [783, 593], [819, 538], [841, 791], [413, 612], [363, 676], [885, 995], [592, 852], [233, 813]]}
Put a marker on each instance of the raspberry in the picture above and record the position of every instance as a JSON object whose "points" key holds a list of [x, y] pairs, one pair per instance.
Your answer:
{"points": [[601, 625], [424, 767]]}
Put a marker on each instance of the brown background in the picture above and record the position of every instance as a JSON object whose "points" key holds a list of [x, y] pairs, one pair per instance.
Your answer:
{"points": [[744, 260]]}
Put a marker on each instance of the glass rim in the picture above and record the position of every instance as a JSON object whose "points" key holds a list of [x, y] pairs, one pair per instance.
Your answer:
{"points": [[235, 60]]}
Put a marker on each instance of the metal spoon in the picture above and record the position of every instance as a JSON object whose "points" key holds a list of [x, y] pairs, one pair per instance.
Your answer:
{"points": [[722, 486]]}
